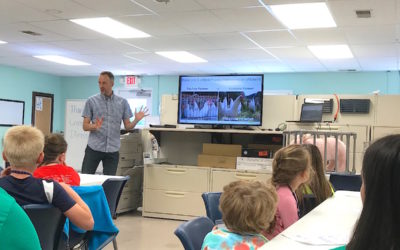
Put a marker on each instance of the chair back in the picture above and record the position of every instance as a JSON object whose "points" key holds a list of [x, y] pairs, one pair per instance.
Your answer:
{"points": [[211, 201], [307, 204], [192, 233], [350, 182], [49, 223], [113, 189]]}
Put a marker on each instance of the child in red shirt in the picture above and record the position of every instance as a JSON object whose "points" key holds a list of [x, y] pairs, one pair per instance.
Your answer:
{"points": [[53, 166]]}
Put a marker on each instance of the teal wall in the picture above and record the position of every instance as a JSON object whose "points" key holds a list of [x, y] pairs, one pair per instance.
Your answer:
{"points": [[18, 84]]}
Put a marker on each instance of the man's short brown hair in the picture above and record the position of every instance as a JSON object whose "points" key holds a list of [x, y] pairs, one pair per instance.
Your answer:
{"points": [[23, 145], [109, 74], [248, 207]]}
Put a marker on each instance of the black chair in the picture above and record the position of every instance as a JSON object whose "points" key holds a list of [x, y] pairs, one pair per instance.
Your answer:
{"points": [[307, 204], [48, 222], [211, 201], [113, 189], [192, 233], [350, 182]]}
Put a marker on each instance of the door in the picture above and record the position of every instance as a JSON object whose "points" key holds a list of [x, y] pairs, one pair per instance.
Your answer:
{"points": [[42, 111]]}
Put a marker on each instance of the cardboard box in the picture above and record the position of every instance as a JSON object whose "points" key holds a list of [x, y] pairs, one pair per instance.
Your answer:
{"points": [[216, 161], [250, 163], [222, 149]]}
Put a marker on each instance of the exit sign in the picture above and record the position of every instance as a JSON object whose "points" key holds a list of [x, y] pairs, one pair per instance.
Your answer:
{"points": [[130, 80]]}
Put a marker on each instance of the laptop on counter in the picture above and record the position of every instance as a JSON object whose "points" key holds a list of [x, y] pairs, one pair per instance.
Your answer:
{"points": [[310, 112]]}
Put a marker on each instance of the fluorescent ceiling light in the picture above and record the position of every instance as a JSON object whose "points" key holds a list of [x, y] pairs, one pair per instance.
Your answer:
{"points": [[304, 15], [110, 27], [2, 42], [181, 56], [62, 60], [341, 51]]}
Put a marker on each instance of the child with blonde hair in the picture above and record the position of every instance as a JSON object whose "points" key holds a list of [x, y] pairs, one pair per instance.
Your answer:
{"points": [[247, 209], [23, 148], [290, 168]]}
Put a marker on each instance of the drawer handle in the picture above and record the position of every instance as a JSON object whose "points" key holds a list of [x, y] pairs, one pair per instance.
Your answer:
{"points": [[175, 194], [245, 176], [176, 171]]}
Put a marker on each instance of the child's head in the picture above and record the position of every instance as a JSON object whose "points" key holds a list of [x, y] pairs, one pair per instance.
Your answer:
{"points": [[378, 225], [318, 183], [381, 175], [23, 146], [248, 207], [289, 163], [54, 146]]}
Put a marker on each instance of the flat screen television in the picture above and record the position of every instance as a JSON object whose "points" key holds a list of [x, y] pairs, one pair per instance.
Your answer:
{"points": [[221, 100]]}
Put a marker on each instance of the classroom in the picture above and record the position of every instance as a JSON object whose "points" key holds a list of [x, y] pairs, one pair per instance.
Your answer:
{"points": [[219, 91]]}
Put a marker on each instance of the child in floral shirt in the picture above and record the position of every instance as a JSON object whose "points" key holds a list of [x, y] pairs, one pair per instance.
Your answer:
{"points": [[247, 209]]}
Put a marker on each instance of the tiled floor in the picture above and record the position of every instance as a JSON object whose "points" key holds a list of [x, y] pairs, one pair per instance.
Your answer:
{"points": [[140, 233]]}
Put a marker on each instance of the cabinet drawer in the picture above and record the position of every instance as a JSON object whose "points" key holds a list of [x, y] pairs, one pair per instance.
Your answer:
{"points": [[130, 148], [125, 163], [122, 171], [130, 156], [176, 178], [173, 202], [125, 201], [221, 178]]}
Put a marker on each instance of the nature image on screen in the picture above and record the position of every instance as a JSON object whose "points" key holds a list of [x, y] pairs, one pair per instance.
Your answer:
{"points": [[235, 100]]}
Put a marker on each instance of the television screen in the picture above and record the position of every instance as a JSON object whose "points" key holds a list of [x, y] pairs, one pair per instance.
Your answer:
{"points": [[221, 100]]}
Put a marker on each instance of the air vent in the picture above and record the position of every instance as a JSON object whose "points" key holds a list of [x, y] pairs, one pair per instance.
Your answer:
{"points": [[32, 33], [358, 106], [363, 13], [327, 107]]}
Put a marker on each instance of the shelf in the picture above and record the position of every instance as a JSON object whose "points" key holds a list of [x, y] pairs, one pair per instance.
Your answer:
{"points": [[227, 131]]}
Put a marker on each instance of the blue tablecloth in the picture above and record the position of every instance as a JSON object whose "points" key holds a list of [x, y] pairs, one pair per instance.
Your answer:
{"points": [[104, 226]]}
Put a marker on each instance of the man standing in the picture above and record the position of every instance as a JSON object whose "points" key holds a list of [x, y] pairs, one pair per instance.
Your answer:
{"points": [[102, 116]]}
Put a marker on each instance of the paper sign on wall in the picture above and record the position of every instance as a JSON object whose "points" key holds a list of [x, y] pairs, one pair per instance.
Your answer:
{"points": [[39, 103]]}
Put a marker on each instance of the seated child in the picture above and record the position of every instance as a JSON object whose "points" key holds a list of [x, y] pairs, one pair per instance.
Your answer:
{"points": [[290, 168], [23, 148], [247, 209], [53, 166], [318, 185], [378, 225]]}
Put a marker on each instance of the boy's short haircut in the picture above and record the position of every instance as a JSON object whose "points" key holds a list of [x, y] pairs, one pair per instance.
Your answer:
{"points": [[248, 207], [23, 145]]}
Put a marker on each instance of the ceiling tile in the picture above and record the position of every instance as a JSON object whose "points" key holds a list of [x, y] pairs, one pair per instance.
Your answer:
{"points": [[371, 34], [277, 38], [228, 4], [228, 41], [320, 36], [248, 19], [60, 8]]}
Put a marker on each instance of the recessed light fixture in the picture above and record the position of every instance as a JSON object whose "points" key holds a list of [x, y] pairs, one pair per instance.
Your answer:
{"points": [[304, 15], [62, 60], [110, 27], [2, 42], [181, 56], [341, 51]]}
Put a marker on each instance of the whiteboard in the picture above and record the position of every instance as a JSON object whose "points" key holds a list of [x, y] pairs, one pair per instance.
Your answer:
{"points": [[74, 135], [11, 112]]}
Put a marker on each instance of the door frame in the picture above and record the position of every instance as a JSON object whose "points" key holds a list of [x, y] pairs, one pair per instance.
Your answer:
{"points": [[48, 95]]}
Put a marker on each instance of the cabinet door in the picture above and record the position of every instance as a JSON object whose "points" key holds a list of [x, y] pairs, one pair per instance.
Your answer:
{"points": [[194, 179], [173, 202], [221, 178]]}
